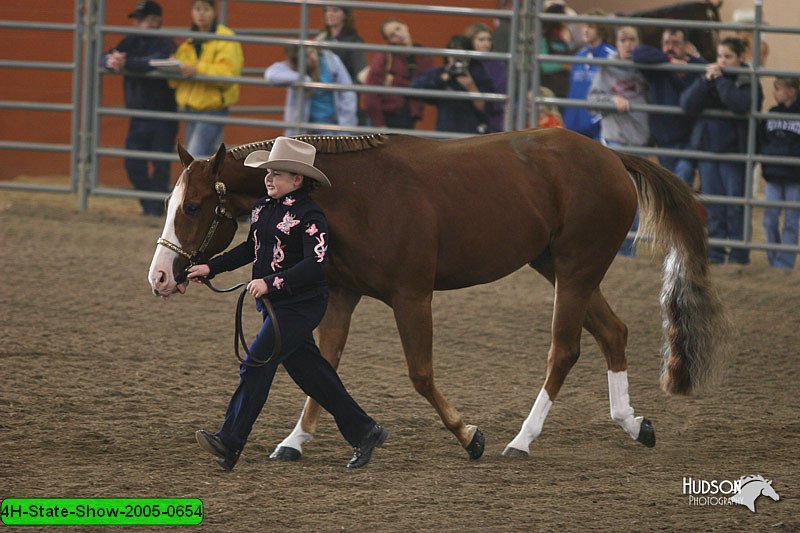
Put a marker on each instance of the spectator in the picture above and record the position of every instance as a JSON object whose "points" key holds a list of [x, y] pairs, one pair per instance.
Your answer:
{"points": [[622, 86], [340, 27], [395, 70], [579, 119], [665, 88], [458, 74], [780, 137], [481, 40], [556, 39], [320, 106], [206, 57], [548, 114], [720, 90], [133, 54]]}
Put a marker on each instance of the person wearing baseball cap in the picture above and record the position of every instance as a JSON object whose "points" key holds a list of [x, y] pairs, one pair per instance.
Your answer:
{"points": [[133, 55], [287, 246]]}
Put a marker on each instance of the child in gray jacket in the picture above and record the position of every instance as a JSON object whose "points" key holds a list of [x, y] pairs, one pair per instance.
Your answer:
{"points": [[622, 86]]}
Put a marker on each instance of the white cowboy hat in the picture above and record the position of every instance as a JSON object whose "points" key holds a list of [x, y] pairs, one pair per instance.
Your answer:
{"points": [[289, 155]]}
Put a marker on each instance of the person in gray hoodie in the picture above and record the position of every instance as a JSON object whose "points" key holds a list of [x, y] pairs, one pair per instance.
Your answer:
{"points": [[622, 86]]}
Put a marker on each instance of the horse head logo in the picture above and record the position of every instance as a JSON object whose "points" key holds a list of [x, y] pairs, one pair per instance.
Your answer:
{"points": [[750, 488]]}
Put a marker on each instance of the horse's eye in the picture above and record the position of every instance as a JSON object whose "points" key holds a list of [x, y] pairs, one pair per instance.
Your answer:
{"points": [[190, 208]]}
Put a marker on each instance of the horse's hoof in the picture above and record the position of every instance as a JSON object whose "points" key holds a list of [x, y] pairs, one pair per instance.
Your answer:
{"points": [[284, 453], [476, 445], [514, 453], [647, 434]]}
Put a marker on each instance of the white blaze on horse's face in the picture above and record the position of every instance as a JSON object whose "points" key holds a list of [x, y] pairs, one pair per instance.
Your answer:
{"points": [[160, 276]]}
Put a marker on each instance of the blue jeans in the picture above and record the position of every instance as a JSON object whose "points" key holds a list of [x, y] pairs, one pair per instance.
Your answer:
{"points": [[722, 178], [787, 192], [203, 138], [150, 135], [302, 360], [683, 168]]}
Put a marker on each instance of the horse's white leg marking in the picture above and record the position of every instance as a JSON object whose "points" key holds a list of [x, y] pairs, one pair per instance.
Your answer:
{"points": [[295, 440], [621, 410], [532, 427]]}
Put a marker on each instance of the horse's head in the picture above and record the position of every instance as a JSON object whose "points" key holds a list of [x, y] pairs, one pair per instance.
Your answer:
{"points": [[199, 223]]}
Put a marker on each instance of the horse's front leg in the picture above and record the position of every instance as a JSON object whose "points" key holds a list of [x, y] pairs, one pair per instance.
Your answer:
{"points": [[332, 335], [415, 324]]}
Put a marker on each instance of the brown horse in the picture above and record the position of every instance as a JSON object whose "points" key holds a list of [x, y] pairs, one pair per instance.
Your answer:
{"points": [[409, 216]]}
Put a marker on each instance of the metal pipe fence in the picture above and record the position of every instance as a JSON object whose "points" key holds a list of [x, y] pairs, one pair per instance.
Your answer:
{"points": [[524, 61]]}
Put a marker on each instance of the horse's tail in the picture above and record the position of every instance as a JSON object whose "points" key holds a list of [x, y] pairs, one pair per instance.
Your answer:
{"points": [[696, 331]]}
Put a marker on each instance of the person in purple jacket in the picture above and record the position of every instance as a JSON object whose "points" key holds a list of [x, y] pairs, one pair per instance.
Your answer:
{"points": [[287, 246], [721, 90], [133, 54]]}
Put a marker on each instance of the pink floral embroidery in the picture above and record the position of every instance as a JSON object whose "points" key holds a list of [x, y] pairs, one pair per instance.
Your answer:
{"points": [[312, 229], [287, 223], [277, 282], [289, 201], [254, 214], [320, 248], [277, 255]]}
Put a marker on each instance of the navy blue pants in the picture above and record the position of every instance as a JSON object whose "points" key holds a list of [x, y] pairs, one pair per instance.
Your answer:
{"points": [[150, 135], [304, 363]]}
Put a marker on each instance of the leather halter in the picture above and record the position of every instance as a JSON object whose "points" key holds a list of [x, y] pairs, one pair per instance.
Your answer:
{"points": [[220, 213]]}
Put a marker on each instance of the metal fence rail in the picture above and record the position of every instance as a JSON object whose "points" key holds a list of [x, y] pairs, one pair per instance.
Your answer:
{"points": [[524, 60], [76, 29]]}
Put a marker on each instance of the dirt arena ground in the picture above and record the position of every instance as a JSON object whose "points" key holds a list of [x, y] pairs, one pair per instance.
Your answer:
{"points": [[103, 386]]}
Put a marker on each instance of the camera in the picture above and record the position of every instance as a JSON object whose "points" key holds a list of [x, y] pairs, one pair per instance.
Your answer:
{"points": [[457, 68]]}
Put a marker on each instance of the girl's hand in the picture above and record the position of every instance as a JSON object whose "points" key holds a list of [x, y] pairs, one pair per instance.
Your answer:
{"points": [[196, 272], [622, 104], [713, 71], [187, 71], [258, 288]]}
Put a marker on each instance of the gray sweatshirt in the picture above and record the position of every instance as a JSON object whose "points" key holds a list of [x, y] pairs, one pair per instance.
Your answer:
{"points": [[629, 128]]}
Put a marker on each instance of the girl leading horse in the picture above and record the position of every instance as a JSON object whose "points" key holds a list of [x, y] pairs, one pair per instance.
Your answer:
{"points": [[408, 216]]}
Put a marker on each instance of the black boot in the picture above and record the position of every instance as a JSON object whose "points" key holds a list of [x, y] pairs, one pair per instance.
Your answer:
{"points": [[362, 454], [214, 445]]}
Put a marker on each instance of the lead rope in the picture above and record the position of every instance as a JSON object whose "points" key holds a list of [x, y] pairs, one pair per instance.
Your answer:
{"points": [[238, 330]]}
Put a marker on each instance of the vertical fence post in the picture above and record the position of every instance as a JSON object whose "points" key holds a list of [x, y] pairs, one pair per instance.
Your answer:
{"points": [[84, 162], [749, 175], [75, 120]]}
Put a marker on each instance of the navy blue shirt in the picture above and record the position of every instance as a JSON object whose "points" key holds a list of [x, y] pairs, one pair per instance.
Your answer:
{"points": [[141, 92], [287, 244], [729, 91], [665, 88], [781, 137], [458, 115]]}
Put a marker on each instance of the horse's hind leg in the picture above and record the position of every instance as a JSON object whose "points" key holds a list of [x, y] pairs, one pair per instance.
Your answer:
{"points": [[611, 335], [332, 333], [569, 311], [415, 325]]}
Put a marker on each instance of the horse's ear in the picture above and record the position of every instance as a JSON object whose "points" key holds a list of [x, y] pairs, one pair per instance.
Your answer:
{"points": [[219, 160], [185, 157]]}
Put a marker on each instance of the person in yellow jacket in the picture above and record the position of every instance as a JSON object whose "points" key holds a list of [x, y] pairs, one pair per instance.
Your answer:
{"points": [[207, 58]]}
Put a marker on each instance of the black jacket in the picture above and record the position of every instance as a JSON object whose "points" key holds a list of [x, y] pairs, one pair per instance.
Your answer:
{"points": [[287, 244], [781, 137], [146, 93]]}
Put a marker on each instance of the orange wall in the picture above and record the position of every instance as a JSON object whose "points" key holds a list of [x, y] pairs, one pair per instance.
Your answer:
{"points": [[54, 86]]}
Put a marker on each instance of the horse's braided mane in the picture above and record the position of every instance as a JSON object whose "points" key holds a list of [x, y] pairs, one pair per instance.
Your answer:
{"points": [[325, 144]]}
